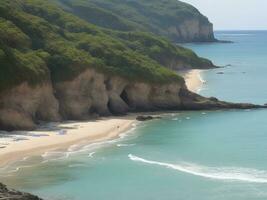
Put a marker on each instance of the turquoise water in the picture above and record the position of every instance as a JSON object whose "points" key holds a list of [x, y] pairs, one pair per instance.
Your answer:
{"points": [[220, 155], [245, 79]]}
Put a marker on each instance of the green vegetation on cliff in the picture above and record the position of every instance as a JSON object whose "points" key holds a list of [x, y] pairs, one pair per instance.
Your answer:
{"points": [[161, 17], [39, 41]]}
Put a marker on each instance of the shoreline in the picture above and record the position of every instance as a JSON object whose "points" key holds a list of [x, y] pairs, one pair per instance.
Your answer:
{"points": [[66, 134], [193, 79]]}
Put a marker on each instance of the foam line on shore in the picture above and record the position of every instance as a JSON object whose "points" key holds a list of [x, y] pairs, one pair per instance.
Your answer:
{"points": [[77, 134], [59, 155], [194, 80], [217, 173]]}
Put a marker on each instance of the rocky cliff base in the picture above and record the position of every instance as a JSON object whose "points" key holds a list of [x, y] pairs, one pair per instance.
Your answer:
{"points": [[93, 94], [7, 194]]}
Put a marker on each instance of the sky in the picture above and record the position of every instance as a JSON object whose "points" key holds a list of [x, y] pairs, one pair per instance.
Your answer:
{"points": [[234, 14]]}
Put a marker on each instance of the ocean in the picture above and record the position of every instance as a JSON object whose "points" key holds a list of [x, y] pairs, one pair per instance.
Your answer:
{"points": [[204, 155]]}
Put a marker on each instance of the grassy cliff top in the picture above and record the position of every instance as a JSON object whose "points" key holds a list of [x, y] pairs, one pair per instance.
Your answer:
{"points": [[40, 41], [155, 16]]}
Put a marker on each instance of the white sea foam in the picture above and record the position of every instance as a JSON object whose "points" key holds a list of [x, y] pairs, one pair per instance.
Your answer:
{"points": [[91, 155], [201, 78], [234, 34], [73, 150], [13, 167], [54, 156], [199, 90], [125, 145], [74, 147], [16, 169], [25, 158], [76, 165], [218, 173], [81, 148], [202, 81]]}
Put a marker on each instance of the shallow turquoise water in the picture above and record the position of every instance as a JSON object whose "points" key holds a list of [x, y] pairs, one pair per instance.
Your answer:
{"points": [[245, 79], [220, 155]]}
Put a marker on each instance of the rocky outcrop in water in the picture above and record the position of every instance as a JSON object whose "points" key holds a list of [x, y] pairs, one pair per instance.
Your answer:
{"points": [[146, 118], [192, 101], [7, 194], [93, 94]]}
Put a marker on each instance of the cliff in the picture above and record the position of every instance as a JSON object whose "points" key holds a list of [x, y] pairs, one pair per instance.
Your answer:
{"points": [[7, 194], [172, 19], [88, 95], [56, 66], [43, 48], [93, 94]]}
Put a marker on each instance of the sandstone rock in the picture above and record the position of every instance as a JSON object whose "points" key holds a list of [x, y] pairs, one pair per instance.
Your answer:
{"points": [[116, 91], [214, 99], [84, 95], [138, 96], [165, 97], [193, 30], [144, 118], [93, 94], [22, 105]]}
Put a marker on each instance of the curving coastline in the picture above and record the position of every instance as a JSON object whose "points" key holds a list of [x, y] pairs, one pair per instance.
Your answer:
{"points": [[64, 61], [41, 140], [193, 80], [63, 135]]}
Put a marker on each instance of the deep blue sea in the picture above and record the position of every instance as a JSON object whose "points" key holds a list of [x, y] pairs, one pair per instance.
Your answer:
{"points": [[207, 155]]}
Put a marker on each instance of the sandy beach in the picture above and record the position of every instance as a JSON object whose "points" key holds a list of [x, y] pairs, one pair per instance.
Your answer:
{"points": [[193, 80], [62, 136]]}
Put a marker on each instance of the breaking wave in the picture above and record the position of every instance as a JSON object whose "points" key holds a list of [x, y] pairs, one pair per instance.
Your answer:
{"points": [[218, 173]]}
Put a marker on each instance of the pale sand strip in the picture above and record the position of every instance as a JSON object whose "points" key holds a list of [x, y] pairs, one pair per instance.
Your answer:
{"points": [[76, 132], [192, 80]]}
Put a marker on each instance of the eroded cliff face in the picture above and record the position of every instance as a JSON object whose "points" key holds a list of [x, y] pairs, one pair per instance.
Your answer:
{"points": [[84, 95], [92, 94], [192, 30], [21, 106]]}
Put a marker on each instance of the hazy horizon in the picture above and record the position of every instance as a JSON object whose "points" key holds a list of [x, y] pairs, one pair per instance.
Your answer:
{"points": [[233, 15]]}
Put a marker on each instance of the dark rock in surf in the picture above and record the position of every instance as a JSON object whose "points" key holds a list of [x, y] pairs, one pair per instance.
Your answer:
{"points": [[146, 118], [8, 194]]}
